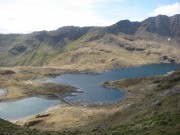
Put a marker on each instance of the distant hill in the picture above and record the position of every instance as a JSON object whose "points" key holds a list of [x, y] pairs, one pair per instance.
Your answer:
{"points": [[153, 40]]}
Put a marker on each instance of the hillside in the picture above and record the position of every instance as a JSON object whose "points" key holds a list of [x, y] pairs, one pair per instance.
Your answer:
{"points": [[123, 44], [7, 128], [156, 112]]}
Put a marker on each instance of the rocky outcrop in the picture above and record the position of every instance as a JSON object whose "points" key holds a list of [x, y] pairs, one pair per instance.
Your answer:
{"points": [[6, 72], [124, 26]]}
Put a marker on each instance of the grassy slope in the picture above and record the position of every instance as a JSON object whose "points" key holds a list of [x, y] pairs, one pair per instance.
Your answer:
{"points": [[93, 50], [156, 113], [114, 51], [19, 84], [7, 128]]}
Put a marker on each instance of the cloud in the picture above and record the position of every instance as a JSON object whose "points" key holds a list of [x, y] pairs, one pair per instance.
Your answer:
{"points": [[167, 10], [22, 16]]}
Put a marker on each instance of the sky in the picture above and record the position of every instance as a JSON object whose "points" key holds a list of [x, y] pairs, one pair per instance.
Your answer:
{"points": [[25, 16]]}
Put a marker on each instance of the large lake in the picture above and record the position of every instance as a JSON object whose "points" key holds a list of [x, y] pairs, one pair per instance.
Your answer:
{"points": [[88, 84]]}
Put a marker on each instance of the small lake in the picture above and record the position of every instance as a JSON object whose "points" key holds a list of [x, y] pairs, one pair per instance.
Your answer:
{"points": [[88, 84]]}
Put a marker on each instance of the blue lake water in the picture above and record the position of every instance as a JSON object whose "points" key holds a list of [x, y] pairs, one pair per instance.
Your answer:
{"points": [[25, 107], [88, 83], [93, 93]]}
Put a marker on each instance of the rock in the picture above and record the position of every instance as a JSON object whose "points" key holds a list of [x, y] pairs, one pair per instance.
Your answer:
{"points": [[32, 123], [7, 72], [41, 116], [167, 59], [170, 92], [155, 103], [156, 81]]}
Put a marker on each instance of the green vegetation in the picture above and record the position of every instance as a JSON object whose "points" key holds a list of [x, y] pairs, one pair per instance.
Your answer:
{"points": [[162, 124], [7, 128]]}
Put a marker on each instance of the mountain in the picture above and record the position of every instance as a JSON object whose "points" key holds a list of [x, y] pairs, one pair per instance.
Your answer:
{"points": [[37, 47], [124, 26], [154, 40], [164, 25], [161, 24]]}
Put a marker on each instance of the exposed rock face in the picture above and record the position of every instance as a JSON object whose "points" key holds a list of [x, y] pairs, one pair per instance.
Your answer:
{"points": [[68, 33], [124, 26], [170, 92], [155, 103], [164, 25], [61, 35], [175, 26], [159, 25], [17, 49]]}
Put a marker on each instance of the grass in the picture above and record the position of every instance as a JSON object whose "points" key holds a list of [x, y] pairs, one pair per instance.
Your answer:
{"points": [[141, 117], [19, 84], [7, 128], [162, 124]]}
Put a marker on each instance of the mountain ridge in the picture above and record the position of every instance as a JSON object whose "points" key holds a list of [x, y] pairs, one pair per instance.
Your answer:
{"points": [[41, 47], [152, 24]]}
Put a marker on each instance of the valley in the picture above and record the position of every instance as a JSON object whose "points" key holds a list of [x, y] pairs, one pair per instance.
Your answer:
{"points": [[148, 96], [127, 57]]}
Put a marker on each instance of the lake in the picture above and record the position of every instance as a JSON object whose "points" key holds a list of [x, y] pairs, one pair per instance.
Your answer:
{"points": [[25, 107], [88, 84], [93, 93]]}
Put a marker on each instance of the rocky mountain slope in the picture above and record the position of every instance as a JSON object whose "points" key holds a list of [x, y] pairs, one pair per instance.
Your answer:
{"points": [[125, 43]]}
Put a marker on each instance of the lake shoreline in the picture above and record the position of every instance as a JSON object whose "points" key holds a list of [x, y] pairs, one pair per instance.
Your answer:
{"points": [[129, 98], [38, 73], [122, 103]]}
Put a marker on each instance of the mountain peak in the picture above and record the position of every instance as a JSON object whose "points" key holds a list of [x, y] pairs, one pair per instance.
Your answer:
{"points": [[159, 24], [175, 26], [124, 26]]}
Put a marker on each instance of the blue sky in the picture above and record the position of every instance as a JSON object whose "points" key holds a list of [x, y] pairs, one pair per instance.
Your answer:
{"points": [[24, 16]]}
